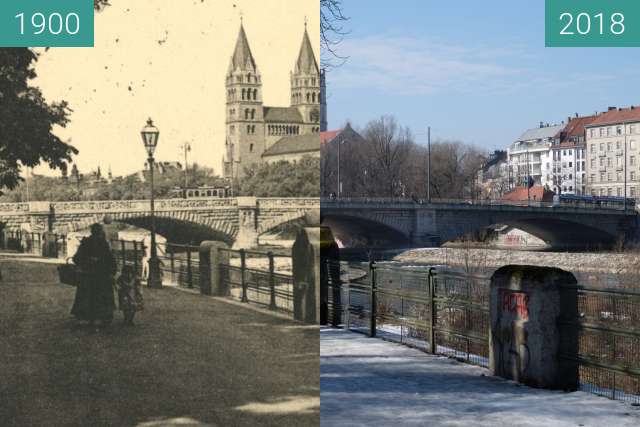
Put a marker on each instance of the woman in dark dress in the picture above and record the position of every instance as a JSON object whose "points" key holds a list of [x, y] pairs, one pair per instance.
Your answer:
{"points": [[94, 296]]}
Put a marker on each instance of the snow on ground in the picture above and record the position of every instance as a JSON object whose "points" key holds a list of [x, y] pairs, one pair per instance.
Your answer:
{"points": [[371, 382]]}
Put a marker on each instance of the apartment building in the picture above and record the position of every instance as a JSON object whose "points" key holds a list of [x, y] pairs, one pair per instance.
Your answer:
{"points": [[568, 157], [530, 156], [613, 153]]}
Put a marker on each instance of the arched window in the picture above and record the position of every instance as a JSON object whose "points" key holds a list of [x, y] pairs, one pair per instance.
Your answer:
{"points": [[246, 114], [243, 93], [249, 78], [255, 94], [307, 96]]}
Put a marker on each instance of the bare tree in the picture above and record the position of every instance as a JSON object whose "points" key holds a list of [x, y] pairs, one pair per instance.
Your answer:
{"points": [[332, 32]]}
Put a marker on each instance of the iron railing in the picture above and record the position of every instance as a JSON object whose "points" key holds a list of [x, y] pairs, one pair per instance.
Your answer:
{"points": [[251, 277], [33, 243], [179, 264], [434, 310], [608, 350], [128, 252]]}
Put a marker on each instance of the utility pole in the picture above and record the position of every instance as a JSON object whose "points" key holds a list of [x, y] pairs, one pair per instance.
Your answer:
{"points": [[624, 168], [429, 164], [186, 147]]}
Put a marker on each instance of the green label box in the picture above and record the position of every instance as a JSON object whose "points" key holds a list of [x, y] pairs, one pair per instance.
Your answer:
{"points": [[592, 23], [46, 23]]}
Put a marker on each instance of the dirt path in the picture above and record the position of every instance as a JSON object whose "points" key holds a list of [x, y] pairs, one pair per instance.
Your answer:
{"points": [[189, 358]]}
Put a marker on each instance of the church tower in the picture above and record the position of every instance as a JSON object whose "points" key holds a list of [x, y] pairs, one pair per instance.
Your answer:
{"points": [[245, 122], [305, 85]]}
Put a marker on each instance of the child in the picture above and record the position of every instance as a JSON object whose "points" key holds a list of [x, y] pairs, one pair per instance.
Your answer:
{"points": [[129, 294]]}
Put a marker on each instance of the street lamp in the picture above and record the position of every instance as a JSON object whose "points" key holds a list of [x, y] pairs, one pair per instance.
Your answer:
{"points": [[150, 135], [340, 142]]}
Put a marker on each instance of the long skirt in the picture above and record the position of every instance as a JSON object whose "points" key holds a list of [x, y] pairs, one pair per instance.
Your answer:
{"points": [[94, 298]]}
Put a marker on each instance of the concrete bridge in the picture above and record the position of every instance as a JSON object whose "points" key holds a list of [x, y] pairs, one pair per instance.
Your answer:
{"points": [[239, 221], [404, 222]]}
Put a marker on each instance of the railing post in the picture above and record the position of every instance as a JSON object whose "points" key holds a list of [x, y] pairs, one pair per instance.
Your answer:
{"points": [[432, 315], [189, 272], [123, 248], [135, 258], [272, 282], [243, 279], [374, 303], [173, 264]]}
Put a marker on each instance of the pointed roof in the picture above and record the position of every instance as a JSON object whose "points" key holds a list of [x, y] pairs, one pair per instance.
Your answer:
{"points": [[306, 59], [242, 57]]}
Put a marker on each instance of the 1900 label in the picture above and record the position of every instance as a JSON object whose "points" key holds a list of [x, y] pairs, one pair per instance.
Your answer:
{"points": [[46, 23]]}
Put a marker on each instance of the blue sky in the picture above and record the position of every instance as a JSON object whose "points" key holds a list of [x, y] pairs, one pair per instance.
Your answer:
{"points": [[475, 71]]}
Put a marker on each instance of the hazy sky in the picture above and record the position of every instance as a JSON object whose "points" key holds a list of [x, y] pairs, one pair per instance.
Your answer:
{"points": [[167, 59], [476, 71]]}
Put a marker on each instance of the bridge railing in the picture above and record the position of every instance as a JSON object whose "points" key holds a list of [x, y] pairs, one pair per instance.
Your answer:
{"points": [[479, 202], [259, 277], [442, 312]]}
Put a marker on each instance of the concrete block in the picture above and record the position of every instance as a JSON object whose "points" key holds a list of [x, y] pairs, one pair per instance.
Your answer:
{"points": [[211, 256]]}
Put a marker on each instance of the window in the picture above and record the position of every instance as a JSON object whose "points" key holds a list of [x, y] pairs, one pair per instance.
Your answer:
{"points": [[609, 177], [619, 130], [632, 128], [608, 131], [564, 152], [601, 131], [608, 146], [570, 176], [632, 144], [618, 145], [609, 161], [593, 148], [592, 178], [609, 192], [251, 148], [602, 191], [619, 191], [601, 176], [570, 164], [592, 133], [632, 191], [632, 176], [602, 146], [632, 160], [593, 163]]}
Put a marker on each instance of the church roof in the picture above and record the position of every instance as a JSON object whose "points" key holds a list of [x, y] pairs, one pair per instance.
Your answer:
{"points": [[242, 57], [282, 115], [294, 144], [306, 59]]}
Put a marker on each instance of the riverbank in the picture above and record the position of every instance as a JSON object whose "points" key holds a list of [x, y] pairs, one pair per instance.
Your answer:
{"points": [[601, 268]]}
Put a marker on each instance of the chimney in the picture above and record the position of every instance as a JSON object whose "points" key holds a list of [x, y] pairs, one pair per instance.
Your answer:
{"points": [[541, 124], [568, 120], [576, 115], [611, 108], [633, 107]]}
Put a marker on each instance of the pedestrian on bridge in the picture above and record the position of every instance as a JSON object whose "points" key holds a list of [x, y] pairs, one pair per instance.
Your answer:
{"points": [[94, 300]]}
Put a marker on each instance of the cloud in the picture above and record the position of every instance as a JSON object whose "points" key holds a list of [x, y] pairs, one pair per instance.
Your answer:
{"points": [[415, 66]]}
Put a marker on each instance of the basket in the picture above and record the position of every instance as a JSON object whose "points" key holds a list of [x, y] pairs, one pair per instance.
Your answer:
{"points": [[69, 274]]}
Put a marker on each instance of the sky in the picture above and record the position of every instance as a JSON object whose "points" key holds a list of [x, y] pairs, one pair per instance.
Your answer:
{"points": [[167, 59], [474, 71]]}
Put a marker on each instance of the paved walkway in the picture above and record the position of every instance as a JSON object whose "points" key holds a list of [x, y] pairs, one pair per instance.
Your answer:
{"points": [[190, 360], [371, 382]]}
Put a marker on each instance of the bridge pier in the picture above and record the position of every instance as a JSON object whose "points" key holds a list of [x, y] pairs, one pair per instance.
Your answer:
{"points": [[247, 223]]}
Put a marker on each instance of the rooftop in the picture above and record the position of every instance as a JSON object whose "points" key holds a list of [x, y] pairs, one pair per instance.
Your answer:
{"points": [[617, 115], [540, 133], [282, 115], [294, 144]]}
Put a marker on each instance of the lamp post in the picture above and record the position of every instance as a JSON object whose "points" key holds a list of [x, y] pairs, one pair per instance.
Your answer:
{"points": [[150, 135], [340, 142]]}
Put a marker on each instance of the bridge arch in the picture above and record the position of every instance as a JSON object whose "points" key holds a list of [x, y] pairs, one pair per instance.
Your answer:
{"points": [[353, 231]]}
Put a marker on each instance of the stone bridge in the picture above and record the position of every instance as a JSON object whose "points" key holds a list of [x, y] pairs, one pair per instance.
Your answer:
{"points": [[238, 221], [406, 223]]}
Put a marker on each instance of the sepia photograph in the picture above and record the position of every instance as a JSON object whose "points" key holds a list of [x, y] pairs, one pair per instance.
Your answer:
{"points": [[159, 216]]}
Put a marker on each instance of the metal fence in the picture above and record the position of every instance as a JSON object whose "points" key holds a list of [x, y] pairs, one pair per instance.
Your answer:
{"points": [[431, 309], [608, 350], [251, 277], [179, 264], [127, 252], [32, 243]]}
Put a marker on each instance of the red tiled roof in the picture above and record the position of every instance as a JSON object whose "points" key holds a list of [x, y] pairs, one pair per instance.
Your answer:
{"points": [[575, 127], [327, 136], [617, 116], [537, 193]]}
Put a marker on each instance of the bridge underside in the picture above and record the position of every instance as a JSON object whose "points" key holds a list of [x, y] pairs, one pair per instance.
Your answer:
{"points": [[179, 231], [354, 232]]}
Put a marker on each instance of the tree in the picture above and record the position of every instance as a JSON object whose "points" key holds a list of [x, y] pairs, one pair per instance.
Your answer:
{"points": [[331, 31], [283, 179], [26, 120]]}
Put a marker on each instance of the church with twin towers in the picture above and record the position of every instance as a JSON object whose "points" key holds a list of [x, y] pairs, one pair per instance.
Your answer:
{"points": [[256, 133]]}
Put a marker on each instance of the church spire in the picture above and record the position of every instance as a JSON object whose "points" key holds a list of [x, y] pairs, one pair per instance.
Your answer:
{"points": [[242, 58], [306, 62]]}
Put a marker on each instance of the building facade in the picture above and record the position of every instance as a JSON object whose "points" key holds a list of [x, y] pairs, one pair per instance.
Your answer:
{"points": [[251, 127], [529, 156], [613, 153]]}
